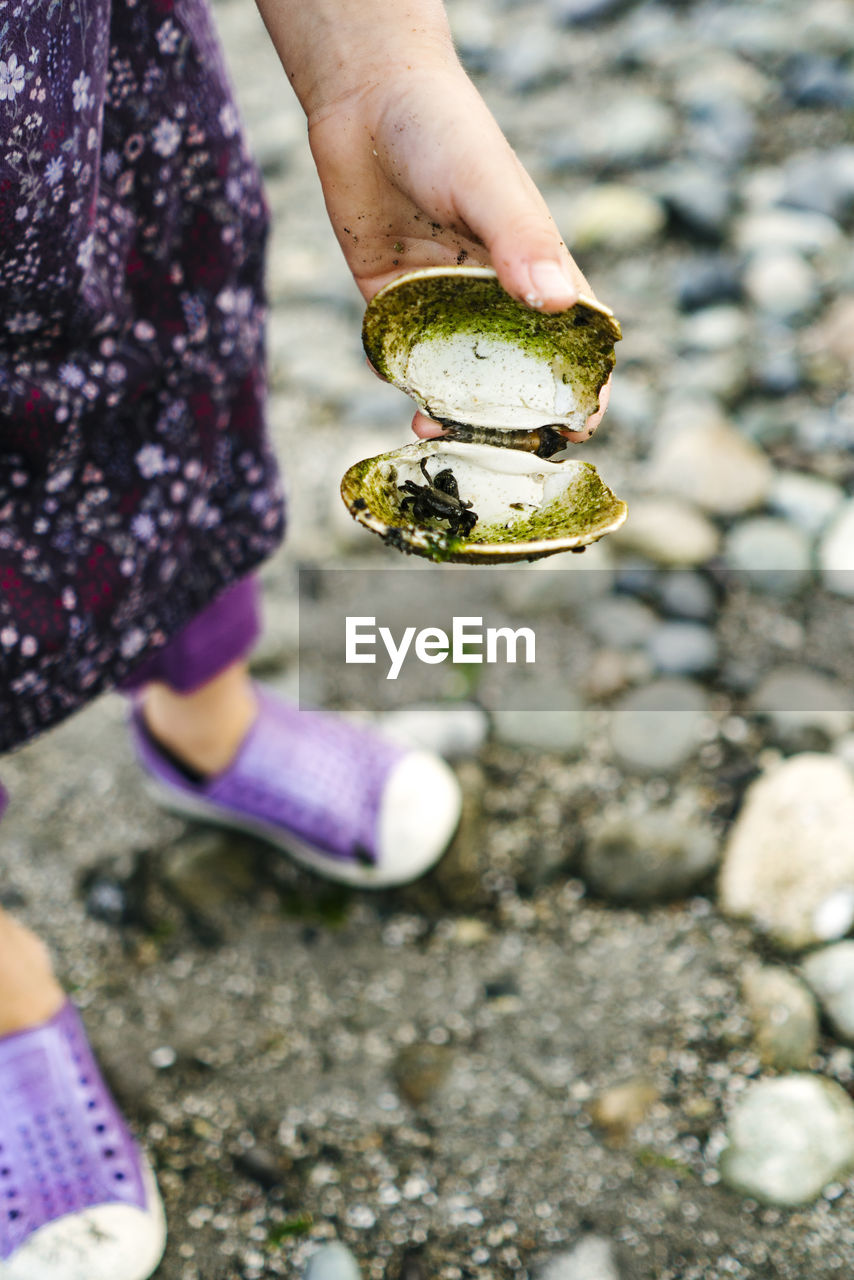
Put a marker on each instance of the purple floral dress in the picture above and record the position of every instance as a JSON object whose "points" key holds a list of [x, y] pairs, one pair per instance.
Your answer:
{"points": [[136, 481]]}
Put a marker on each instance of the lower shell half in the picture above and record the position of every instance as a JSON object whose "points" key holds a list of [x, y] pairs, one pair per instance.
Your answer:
{"points": [[480, 504]]}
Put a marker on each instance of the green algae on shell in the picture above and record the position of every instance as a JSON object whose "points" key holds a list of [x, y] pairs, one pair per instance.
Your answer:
{"points": [[468, 353], [526, 507]]}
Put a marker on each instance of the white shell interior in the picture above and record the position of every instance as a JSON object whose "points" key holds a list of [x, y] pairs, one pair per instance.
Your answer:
{"points": [[486, 381], [493, 479]]}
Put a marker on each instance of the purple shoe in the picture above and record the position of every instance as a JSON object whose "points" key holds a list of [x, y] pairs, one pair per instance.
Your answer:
{"points": [[337, 796], [78, 1200]]}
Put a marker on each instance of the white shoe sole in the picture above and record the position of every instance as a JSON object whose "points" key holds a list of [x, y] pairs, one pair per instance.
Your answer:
{"points": [[106, 1242], [420, 812]]}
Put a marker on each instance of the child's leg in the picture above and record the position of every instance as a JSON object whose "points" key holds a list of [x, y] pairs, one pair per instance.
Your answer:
{"points": [[337, 796], [29, 993]]}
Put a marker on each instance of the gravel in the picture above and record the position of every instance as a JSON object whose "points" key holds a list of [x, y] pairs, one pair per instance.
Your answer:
{"points": [[422, 1076]]}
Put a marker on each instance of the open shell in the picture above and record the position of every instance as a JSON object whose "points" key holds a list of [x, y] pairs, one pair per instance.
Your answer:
{"points": [[526, 507], [502, 378], [469, 353]]}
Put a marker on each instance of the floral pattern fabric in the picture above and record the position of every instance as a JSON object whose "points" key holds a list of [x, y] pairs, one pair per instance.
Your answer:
{"points": [[136, 480]]}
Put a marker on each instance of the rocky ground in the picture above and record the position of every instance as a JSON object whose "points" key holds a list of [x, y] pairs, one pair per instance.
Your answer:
{"points": [[579, 1050]]}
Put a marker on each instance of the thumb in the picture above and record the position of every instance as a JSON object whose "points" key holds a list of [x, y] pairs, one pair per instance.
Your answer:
{"points": [[502, 206]]}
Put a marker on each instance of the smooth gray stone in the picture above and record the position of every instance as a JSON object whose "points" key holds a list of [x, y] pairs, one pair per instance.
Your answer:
{"points": [[822, 181], [798, 698], [782, 284], [805, 500], [620, 622], [332, 1262], [699, 198], [683, 648], [683, 594], [707, 280], [773, 554], [658, 728], [815, 80], [788, 1138], [648, 857], [830, 973]]}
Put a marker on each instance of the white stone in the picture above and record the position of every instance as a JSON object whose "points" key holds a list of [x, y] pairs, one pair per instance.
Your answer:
{"points": [[781, 284], [669, 531], [789, 1138], [795, 230], [836, 553], [714, 467], [830, 973], [591, 1259], [657, 728], [807, 500], [614, 216], [791, 851]]}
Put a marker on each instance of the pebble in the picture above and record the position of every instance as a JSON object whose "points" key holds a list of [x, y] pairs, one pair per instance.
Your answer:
{"points": [[621, 1108], [788, 1138], [658, 728], [559, 582], [707, 280], [820, 181], [805, 500], [531, 60], [620, 621], [721, 129], [789, 863], [836, 553], [562, 731], [617, 217], [668, 531], [782, 284], [649, 857], [774, 555], [698, 198], [776, 362], [814, 80], [420, 1069], [830, 973], [686, 594], [714, 329], [451, 731], [787, 231], [714, 467], [631, 130], [784, 1017], [332, 1262], [582, 12], [844, 748], [796, 699], [683, 649], [591, 1259]]}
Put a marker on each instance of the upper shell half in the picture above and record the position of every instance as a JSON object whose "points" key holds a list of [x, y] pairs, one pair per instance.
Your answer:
{"points": [[468, 353]]}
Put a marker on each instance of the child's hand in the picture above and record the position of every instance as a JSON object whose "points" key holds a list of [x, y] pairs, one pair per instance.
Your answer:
{"points": [[416, 173]]}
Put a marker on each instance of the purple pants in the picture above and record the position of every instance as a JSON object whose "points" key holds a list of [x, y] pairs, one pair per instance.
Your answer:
{"points": [[221, 634]]}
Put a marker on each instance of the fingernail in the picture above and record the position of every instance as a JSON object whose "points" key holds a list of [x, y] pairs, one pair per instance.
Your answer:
{"points": [[551, 284]]}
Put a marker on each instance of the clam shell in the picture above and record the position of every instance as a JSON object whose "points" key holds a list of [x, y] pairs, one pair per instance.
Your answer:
{"points": [[467, 352], [527, 507]]}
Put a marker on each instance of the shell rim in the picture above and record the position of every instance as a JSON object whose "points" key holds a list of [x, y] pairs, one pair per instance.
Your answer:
{"points": [[417, 541], [487, 273]]}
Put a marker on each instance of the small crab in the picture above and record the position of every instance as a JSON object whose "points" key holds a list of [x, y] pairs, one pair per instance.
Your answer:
{"points": [[439, 499]]}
